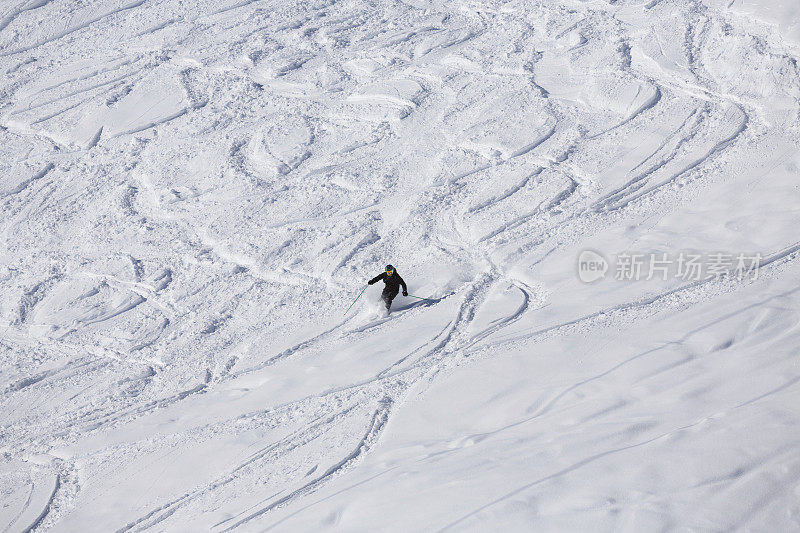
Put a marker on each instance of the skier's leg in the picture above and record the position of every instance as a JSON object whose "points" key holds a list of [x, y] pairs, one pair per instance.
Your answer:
{"points": [[387, 297]]}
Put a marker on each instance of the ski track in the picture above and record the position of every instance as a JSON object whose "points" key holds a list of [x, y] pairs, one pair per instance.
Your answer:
{"points": [[46, 508], [23, 6], [68, 31], [378, 422], [271, 452]]}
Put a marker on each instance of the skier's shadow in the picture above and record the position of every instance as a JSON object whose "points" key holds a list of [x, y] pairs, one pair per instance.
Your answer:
{"points": [[412, 303]]}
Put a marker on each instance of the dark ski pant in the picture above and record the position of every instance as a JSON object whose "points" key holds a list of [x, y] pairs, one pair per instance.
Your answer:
{"points": [[388, 295]]}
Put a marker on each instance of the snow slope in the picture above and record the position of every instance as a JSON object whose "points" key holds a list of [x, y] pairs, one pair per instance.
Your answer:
{"points": [[192, 193]]}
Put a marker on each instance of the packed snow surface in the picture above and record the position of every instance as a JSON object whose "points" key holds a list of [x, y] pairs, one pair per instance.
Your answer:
{"points": [[192, 193]]}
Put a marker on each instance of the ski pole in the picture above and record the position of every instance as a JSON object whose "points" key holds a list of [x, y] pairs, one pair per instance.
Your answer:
{"points": [[420, 297], [357, 297]]}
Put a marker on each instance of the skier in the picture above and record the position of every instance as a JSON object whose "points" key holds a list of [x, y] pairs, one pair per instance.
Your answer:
{"points": [[392, 282]]}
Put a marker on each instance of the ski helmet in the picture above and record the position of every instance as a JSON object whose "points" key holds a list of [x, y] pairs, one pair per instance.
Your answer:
{"points": [[389, 269]]}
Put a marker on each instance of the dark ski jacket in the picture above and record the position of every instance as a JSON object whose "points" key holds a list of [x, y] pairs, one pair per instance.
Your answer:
{"points": [[392, 282]]}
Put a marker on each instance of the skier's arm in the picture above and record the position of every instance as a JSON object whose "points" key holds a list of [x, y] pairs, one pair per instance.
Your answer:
{"points": [[403, 283], [377, 278]]}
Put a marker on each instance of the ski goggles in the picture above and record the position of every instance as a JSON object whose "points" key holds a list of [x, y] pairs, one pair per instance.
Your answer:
{"points": [[389, 272]]}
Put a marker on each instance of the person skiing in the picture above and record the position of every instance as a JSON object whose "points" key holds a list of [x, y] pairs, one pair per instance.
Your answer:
{"points": [[392, 281]]}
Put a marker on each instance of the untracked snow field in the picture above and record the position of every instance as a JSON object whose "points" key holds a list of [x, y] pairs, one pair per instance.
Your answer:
{"points": [[193, 192]]}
